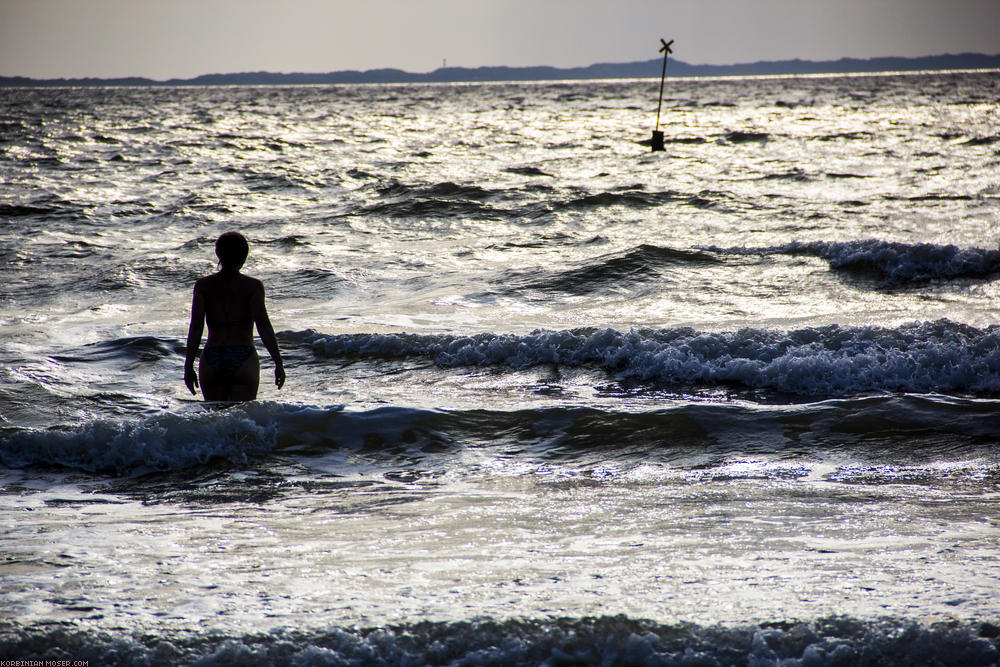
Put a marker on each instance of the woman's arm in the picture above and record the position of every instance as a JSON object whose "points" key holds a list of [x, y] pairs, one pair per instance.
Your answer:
{"points": [[259, 311], [194, 338]]}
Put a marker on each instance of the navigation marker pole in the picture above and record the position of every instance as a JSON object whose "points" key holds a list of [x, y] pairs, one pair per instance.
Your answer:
{"points": [[657, 142]]}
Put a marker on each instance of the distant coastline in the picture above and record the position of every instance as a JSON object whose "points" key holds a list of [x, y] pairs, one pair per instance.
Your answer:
{"points": [[648, 68]]}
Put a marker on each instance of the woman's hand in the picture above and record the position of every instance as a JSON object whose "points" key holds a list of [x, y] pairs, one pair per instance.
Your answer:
{"points": [[279, 376], [190, 378]]}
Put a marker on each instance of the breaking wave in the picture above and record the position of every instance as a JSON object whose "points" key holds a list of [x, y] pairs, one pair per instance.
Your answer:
{"points": [[608, 640], [892, 264], [831, 361], [245, 435]]}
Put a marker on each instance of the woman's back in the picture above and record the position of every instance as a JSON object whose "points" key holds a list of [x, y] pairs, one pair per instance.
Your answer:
{"points": [[229, 307]]}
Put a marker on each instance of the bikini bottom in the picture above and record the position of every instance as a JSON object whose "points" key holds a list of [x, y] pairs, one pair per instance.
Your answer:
{"points": [[227, 359]]}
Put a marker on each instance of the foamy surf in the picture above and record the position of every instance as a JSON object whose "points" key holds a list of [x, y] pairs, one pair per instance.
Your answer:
{"points": [[891, 264], [923, 357], [592, 641], [670, 432]]}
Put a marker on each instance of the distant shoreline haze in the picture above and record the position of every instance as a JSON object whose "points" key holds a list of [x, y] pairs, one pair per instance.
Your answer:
{"points": [[648, 68]]}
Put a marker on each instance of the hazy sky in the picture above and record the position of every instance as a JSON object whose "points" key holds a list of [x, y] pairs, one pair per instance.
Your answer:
{"points": [[182, 38]]}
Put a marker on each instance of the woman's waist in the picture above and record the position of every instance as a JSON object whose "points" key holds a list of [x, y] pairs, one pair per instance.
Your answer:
{"points": [[229, 341]]}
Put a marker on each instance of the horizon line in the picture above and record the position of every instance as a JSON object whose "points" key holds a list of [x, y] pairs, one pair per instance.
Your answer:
{"points": [[591, 71]]}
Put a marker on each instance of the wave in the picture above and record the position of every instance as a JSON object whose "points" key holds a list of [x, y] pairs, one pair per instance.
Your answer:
{"points": [[737, 137], [632, 198], [891, 263], [609, 271], [24, 210], [134, 351], [305, 283], [905, 428], [43, 207], [449, 199], [167, 441], [983, 141], [445, 199], [238, 435], [685, 140], [838, 136], [527, 171], [795, 174], [431, 207], [289, 241], [445, 189], [275, 182], [928, 357], [636, 197], [607, 640]]}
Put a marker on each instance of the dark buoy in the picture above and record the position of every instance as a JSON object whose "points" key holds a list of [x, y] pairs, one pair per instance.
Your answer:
{"points": [[657, 141]]}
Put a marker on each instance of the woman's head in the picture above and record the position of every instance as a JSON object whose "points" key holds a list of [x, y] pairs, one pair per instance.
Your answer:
{"points": [[232, 249]]}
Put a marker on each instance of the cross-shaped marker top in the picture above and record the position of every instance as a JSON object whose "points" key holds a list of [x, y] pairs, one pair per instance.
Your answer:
{"points": [[666, 46]]}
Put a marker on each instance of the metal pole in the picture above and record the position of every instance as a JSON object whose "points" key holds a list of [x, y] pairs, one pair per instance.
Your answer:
{"points": [[657, 142]]}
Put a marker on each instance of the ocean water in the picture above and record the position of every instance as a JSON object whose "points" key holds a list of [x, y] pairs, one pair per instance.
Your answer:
{"points": [[552, 398]]}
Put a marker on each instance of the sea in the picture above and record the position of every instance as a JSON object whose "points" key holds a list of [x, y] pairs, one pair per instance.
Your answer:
{"points": [[553, 398]]}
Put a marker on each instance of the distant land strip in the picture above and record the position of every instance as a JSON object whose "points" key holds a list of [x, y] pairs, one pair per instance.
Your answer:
{"points": [[634, 70]]}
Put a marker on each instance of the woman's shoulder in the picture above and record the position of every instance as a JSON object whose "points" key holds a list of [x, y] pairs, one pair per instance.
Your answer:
{"points": [[217, 281], [251, 282], [249, 285]]}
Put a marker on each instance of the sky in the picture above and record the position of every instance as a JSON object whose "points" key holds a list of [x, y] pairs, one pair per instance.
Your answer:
{"points": [[165, 39]]}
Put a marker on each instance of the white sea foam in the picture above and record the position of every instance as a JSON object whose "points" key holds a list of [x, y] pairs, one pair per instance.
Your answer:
{"points": [[606, 640], [237, 434], [163, 442], [827, 361]]}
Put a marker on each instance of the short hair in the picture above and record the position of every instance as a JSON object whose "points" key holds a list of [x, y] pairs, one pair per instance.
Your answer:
{"points": [[232, 249]]}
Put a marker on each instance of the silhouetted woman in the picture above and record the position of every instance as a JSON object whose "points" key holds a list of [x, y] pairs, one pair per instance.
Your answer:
{"points": [[231, 303]]}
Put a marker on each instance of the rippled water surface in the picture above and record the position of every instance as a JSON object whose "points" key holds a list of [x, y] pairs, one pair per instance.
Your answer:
{"points": [[742, 394]]}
